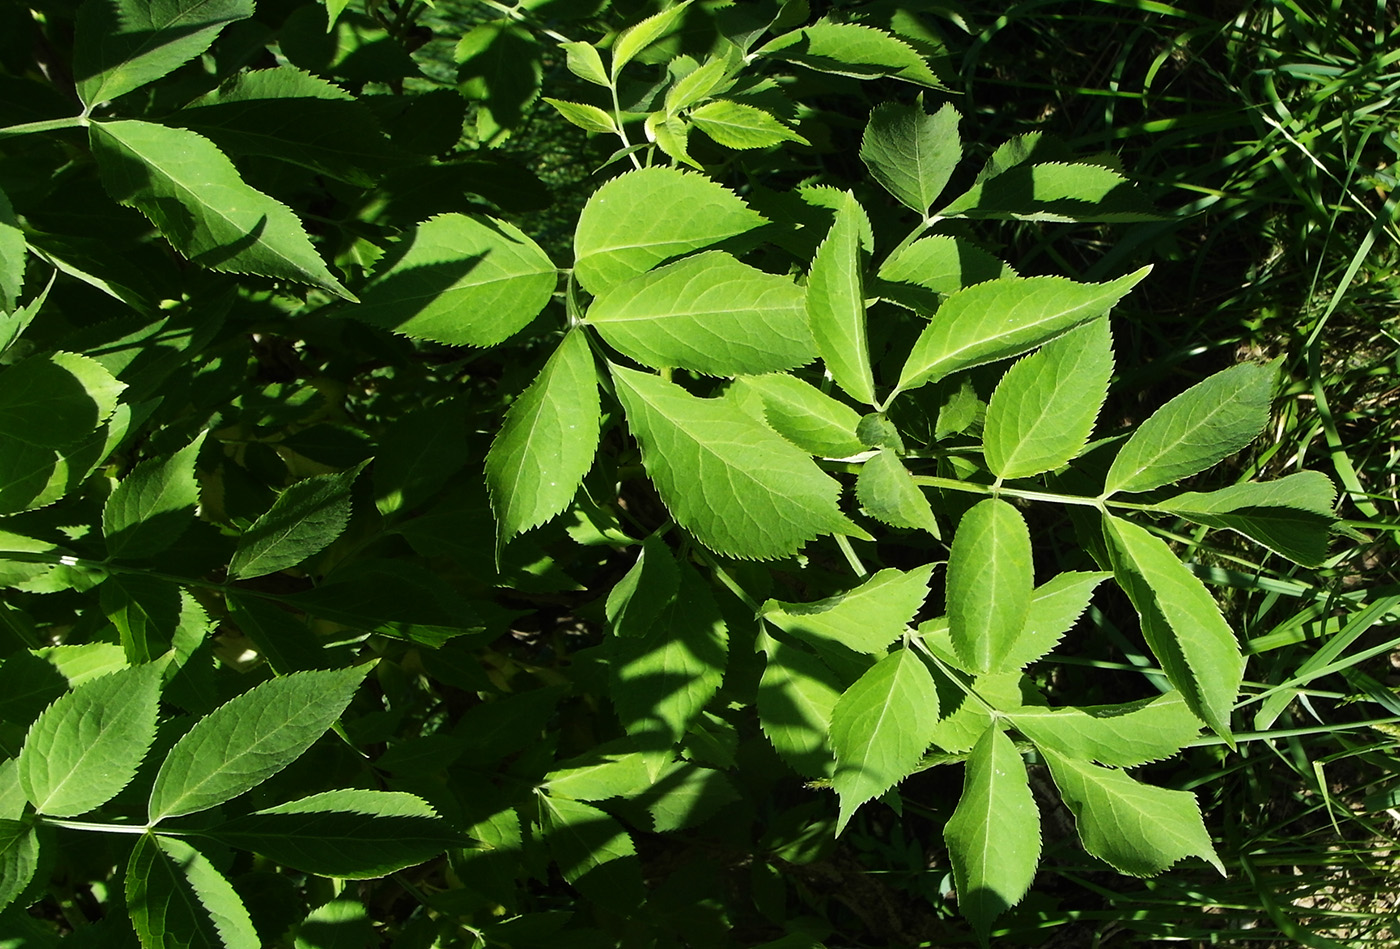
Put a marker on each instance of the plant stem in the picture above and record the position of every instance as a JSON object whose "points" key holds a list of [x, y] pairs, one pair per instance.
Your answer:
{"points": [[48, 125], [101, 828]]}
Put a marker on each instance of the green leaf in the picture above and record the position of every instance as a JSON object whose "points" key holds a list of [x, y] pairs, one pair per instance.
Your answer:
{"points": [[1050, 191], [1123, 736], [800, 412], [709, 313], [499, 65], [847, 49], [639, 36], [934, 267], [661, 681], [86, 746], [250, 738], [1180, 621], [993, 836], [151, 507], [836, 302], [1055, 606], [1044, 408], [1135, 828], [740, 488], [13, 251], [343, 923], [195, 198], [603, 776], [121, 45], [547, 442], [419, 455], [583, 61], [887, 492], [19, 858], [880, 729], [590, 118], [795, 699], [592, 849], [1291, 516], [350, 834], [13, 325], [391, 598], [866, 619], [613, 242], [55, 400], [911, 153], [685, 795], [145, 610], [281, 638], [304, 519], [464, 280], [1003, 318], [711, 77], [740, 126], [636, 603], [672, 136], [990, 575], [1208, 422], [175, 897]]}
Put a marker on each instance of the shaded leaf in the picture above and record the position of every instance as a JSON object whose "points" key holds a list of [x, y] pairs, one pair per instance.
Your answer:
{"points": [[13, 251], [866, 619], [592, 849], [600, 777], [795, 699], [920, 275], [150, 508], [1291, 516], [990, 575], [19, 858], [52, 401], [636, 604], [305, 518], [1050, 191], [175, 897]]}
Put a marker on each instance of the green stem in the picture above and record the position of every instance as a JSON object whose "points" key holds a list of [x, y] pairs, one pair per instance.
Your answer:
{"points": [[48, 125], [621, 129], [102, 828]]}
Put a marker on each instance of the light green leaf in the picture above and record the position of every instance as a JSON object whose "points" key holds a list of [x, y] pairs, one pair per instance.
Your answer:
{"points": [[672, 136], [740, 126], [305, 518], [1123, 736], [250, 738], [1134, 828], [1180, 621], [86, 746], [1044, 408], [1050, 191], [12, 799], [887, 492], [800, 412], [547, 442], [993, 836], [795, 699], [196, 199], [13, 251], [962, 727], [880, 729], [710, 78], [121, 45], [1208, 422], [990, 575], [175, 897], [836, 302], [613, 242], [847, 49], [151, 507], [661, 681], [1291, 516], [55, 400], [602, 776], [639, 36], [1055, 606], [739, 487], [583, 61], [931, 268], [590, 118], [464, 280], [19, 858], [911, 153], [635, 605], [350, 834], [592, 849], [866, 619], [709, 313], [1003, 318]]}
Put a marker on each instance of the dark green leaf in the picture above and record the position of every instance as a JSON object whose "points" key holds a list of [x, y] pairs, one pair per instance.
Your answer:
{"points": [[304, 519], [53, 401], [151, 507], [176, 898], [19, 858]]}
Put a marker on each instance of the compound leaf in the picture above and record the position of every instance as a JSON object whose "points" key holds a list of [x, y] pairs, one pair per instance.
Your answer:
{"points": [[836, 302], [990, 576], [887, 492], [993, 836], [800, 412], [738, 486], [1003, 318], [196, 199], [150, 508], [613, 242], [547, 442], [866, 619], [911, 153], [796, 696], [1123, 736], [709, 313], [303, 520], [87, 745], [460, 279], [250, 738], [1044, 408], [1209, 421], [1180, 621], [1135, 828], [175, 897], [880, 729]]}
